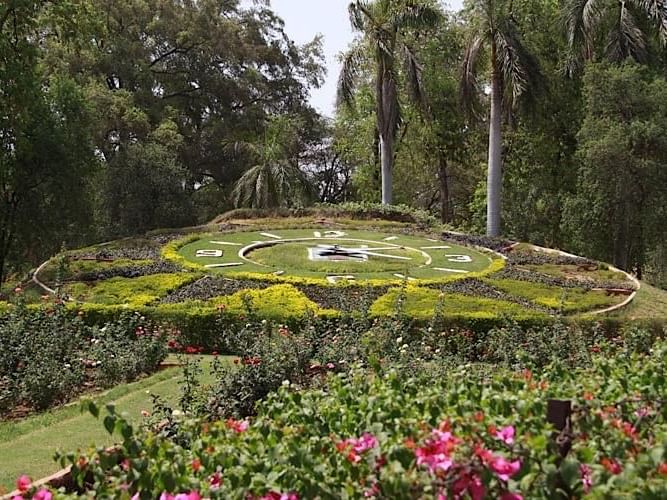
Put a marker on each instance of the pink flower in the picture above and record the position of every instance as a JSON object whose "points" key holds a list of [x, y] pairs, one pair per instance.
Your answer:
{"points": [[586, 479], [237, 426], [23, 483], [357, 446], [435, 453], [193, 495], [511, 496], [503, 468], [506, 435], [365, 442], [42, 494], [274, 495]]}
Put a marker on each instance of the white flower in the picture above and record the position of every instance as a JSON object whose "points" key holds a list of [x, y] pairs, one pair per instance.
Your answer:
{"points": [[405, 346], [177, 413], [399, 340]]}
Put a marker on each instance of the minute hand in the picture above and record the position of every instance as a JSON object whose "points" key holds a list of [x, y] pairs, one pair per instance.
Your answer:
{"points": [[366, 252]]}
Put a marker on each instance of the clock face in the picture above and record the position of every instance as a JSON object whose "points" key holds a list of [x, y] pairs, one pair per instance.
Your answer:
{"points": [[334, 255]]}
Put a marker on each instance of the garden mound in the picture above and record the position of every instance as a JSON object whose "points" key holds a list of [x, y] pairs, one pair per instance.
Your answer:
{"points": [[286, 269]]}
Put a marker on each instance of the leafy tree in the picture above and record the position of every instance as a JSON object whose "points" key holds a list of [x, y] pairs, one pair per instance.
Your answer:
{"points": [[615, 29], [618, 211], [384, 24], [514, 74], [45, 150], [213, 69]]}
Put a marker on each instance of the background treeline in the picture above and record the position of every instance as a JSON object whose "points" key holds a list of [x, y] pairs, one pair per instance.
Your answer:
{"points": [[121, 116]]}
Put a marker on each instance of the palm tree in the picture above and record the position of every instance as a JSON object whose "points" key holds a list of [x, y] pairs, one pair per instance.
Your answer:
{"points": [[274, 179], [384, 24], [514, 75], [612, 24]]}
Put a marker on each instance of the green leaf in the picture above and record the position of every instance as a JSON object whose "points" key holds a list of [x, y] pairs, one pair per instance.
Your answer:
{"points": [[109, 423], [570, 472]]}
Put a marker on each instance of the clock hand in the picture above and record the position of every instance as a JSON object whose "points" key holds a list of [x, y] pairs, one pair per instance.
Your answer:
{"points": [[399, 257]]}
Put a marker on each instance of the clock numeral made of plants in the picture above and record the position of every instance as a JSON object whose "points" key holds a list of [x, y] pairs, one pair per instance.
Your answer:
{"points": [[353, 255]]}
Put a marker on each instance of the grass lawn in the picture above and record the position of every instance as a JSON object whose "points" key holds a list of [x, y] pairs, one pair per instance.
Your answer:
{"points": [[649, 304], [27, 446], [427, 258]]}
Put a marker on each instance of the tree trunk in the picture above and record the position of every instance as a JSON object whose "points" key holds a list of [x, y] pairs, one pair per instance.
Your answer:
{"points": [[386, 161], [445, 213], [495, 174]]}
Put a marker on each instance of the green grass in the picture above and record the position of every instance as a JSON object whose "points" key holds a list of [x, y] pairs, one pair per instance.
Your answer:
{"points": [[292, 258], [568, 300], [27, 446], [650, 303]]}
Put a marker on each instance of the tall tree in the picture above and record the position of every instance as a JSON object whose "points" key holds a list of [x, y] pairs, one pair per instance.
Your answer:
{"points": [[514, 75], [619, 209], [383, 24], [45, 150], [612, 28]]}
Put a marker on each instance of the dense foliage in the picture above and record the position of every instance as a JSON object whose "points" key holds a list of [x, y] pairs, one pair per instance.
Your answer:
{"points": [[50, 355], [417, 423]]}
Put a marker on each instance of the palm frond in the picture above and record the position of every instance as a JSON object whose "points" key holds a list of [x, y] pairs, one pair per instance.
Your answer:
{"points": [[413, 73], [521, 71], [656, 10], [348, 75], [626, 39], [469, 87], [581, 19], [358, 12], [417, 16]]}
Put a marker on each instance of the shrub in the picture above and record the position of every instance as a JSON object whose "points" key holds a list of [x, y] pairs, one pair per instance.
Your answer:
{"points": [[50, 355]]}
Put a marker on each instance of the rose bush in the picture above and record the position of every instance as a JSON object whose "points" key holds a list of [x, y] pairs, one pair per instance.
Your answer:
{"points": [[49, 355]]}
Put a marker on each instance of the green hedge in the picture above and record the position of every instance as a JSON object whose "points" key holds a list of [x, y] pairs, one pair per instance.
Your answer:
{"points": [[352, 210]]}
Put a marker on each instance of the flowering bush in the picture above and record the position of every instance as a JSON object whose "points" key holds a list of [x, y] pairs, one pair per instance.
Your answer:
{"points": [[49, 355], [474, 433]]}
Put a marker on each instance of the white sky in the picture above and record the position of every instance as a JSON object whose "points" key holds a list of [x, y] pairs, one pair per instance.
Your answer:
{"points": [[306, 18]]}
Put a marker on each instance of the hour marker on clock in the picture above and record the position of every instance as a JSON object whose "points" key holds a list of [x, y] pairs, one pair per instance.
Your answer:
{"points": [[208, 253], [271, 235], [447, 270], [229, 243], [226, 264], [436, 247]]}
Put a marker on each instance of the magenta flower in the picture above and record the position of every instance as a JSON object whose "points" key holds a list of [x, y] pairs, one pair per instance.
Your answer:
{"points": [[42, 495], [356, 447], [503, 468], [193, 495], [470, 483], [366, 442], [435, 453], [586, 479], [23, 483], [506, 435], [274, 495]]}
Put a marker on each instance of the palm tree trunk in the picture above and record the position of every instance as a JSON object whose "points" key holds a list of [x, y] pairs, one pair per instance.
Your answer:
{"points": [[445, 214], [386, 161], [494, 184]]}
